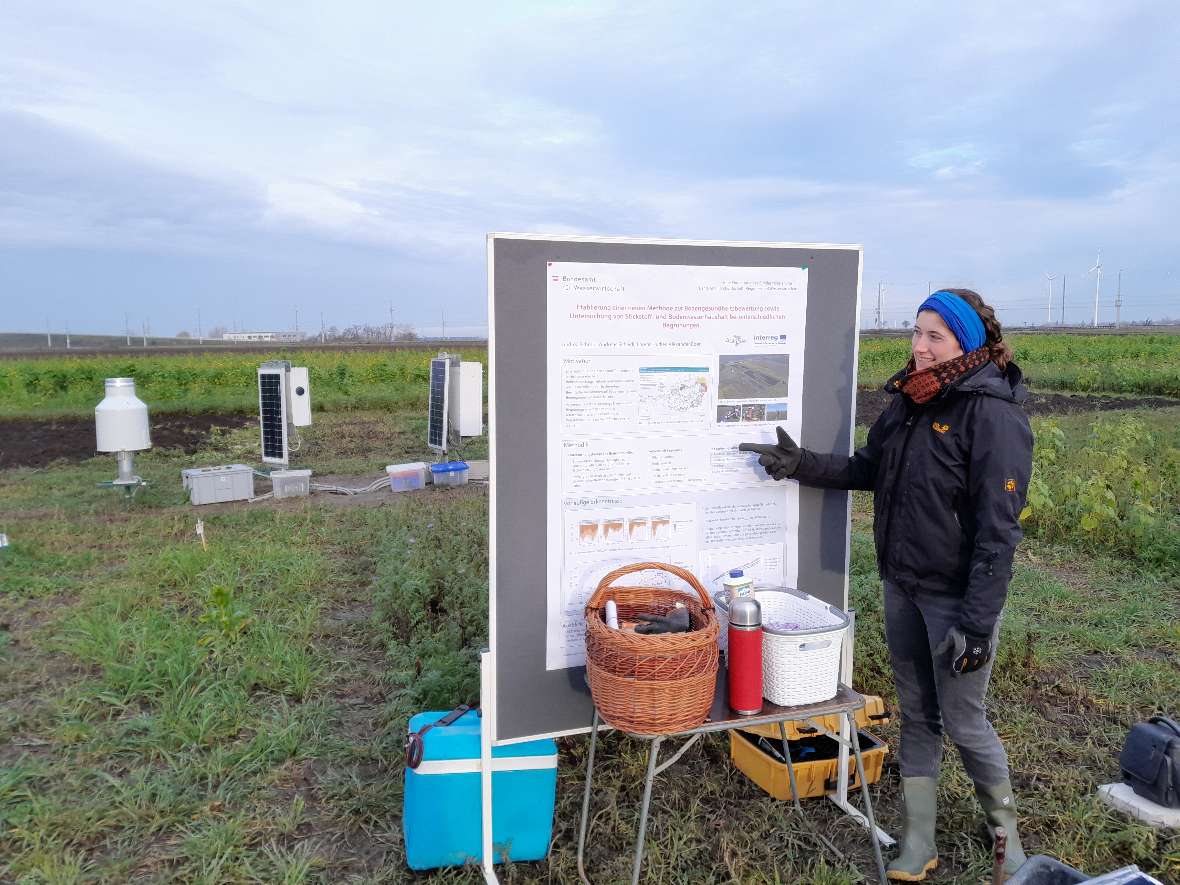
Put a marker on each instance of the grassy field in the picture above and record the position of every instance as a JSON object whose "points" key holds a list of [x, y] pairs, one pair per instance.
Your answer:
{"points": [[172, 711], [1130, 364], [351, 380]]}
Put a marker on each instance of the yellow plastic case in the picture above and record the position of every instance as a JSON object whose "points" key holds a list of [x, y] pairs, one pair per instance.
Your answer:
{"points": [[814, 778], [873, 713]]}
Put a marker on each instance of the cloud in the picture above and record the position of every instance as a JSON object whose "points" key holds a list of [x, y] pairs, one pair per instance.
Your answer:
{"points": [[949, 163], [990, 142], [67, 188]]}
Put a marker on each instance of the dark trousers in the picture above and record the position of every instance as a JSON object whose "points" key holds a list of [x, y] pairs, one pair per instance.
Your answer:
{"points": [[932, 699]]}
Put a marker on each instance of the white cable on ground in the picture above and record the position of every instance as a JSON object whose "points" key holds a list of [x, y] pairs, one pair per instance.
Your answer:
{"points": [[344, 490], [260, 497]]}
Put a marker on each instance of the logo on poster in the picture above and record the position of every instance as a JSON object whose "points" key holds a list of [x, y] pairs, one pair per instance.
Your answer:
{"points": [[769, 340]]}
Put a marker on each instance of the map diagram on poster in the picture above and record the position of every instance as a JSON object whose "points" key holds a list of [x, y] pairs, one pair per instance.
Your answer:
{"points": [[659, 372]]}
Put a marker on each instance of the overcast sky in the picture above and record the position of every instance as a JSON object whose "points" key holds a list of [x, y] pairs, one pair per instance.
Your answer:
{"points": [[256, 158]]}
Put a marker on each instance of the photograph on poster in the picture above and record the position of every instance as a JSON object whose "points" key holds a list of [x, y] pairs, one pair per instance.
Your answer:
{"points": [[661, 370], [753, 375]]}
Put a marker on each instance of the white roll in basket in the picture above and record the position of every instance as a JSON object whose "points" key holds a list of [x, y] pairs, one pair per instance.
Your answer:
{"points": [[802, 637]]}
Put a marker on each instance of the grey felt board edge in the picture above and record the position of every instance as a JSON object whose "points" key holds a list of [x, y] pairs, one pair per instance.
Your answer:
{"points": [[530, 700]]}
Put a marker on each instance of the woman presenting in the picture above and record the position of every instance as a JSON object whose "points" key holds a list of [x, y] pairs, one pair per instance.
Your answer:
{"points": [[949, 462]]}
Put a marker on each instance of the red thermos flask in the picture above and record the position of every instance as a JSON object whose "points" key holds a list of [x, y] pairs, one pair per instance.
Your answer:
{"points": [[745, 655]]}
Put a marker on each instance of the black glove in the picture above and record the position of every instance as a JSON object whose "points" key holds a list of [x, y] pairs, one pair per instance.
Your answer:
{"points": [[966, 653], [780, 461], [676, 621]]}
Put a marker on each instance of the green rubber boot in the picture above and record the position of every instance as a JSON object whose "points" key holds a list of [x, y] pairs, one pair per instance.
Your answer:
{"points": [[918, 855], [999, 806]]}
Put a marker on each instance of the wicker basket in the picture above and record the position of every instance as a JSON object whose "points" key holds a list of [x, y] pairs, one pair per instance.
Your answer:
{"points": [[800, 665], [651, 684]]}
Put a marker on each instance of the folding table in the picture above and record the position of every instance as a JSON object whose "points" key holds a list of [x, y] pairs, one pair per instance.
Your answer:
{"points": [[845, 704]]}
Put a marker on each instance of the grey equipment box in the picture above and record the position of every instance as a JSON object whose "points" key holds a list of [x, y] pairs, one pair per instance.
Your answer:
{"points": [[215, 485], [291, 483]]}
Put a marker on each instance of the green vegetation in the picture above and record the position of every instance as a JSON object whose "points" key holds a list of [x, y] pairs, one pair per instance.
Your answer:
{"points": [[1112, 486], [1143, 365], [363, 380], [218, 382], [234, 711]]}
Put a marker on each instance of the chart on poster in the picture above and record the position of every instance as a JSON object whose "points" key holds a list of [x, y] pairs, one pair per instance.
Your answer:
{"points": [[656, 373]]}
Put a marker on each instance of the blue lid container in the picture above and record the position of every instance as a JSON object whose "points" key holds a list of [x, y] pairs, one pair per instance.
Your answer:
{"points": [[449, 473], [442, 812]]}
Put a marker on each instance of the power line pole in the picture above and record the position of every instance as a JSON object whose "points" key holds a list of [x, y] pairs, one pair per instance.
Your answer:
{"points": [[444, 325], [200, 332], [391, 321], [127, 327], [1049, 310], [1118, 303], [67, 337], [297, 322], [880, 290], [1063, 299], [145, 333], [48, 334], [321, 327]]}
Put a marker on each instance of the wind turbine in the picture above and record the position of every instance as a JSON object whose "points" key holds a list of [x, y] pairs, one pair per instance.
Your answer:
{"points": [[1096, 269], [1049, 278]]}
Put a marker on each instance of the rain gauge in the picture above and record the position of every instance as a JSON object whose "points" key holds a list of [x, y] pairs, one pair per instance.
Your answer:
{"points": [[121, 427]]}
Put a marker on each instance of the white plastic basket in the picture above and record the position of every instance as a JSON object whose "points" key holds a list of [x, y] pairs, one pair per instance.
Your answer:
{"points": [[800, 663]]}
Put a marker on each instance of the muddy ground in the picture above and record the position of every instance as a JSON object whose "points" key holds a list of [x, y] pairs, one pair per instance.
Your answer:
{"points": [[28, 442]]}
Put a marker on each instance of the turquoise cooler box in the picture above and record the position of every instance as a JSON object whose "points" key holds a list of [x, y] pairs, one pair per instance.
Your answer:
{"points": [[442, 814]]}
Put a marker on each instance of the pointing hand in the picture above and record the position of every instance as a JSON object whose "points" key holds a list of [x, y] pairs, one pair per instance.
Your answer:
{"points": [[780, 461]]}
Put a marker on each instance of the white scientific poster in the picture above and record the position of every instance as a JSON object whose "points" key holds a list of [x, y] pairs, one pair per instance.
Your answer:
{"points": [[655, 373]]}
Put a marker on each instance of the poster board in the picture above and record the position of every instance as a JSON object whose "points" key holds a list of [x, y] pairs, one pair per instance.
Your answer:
{"points": [[622, 375]]}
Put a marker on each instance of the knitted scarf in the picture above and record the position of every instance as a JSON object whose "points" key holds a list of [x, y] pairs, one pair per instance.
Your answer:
{"points": [[923, 386]]}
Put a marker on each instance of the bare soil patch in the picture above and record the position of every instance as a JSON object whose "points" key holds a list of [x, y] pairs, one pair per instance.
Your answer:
{"points": [[28, 442], [871, 402]]}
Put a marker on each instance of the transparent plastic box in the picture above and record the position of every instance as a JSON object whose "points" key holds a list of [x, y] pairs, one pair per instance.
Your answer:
{"points": [[407, 477], [449, 473]]}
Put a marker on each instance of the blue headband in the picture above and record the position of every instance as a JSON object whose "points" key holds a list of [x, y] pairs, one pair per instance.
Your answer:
{"points": [[960, 318]]}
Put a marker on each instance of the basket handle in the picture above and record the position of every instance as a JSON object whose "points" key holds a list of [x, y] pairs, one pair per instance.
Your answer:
{"points": [[815, 646], [599, 597]]}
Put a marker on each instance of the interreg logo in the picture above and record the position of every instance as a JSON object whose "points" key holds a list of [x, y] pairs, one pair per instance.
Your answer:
{"points": [[735, 340], [770, 339]]}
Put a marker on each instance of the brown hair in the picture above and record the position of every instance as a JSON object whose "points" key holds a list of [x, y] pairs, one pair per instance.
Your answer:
{"points": [[1001, 353]]}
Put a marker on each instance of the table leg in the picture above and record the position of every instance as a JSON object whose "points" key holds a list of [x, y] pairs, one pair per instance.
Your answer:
{"points": [[807, 823], [652, 756], [782, 730], [586, 800], [864, 791]]}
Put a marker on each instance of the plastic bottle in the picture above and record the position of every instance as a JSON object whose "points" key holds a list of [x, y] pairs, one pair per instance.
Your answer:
{"points": [[745, 655], [612, 614], [737, 583]]}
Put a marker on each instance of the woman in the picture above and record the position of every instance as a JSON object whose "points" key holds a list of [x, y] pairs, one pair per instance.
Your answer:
{"points": [[949, 462]]}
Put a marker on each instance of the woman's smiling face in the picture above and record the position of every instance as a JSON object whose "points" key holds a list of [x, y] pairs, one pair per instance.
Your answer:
{"points": [[932, 342]]}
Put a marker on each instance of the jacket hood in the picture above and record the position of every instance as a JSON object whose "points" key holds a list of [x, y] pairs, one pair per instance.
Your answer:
{"points": [[987, 380]]}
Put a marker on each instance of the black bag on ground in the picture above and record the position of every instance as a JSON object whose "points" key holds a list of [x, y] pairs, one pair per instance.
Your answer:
{"points": [[1151, 761]]}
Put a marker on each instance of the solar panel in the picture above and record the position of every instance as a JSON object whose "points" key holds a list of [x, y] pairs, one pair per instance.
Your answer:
{"points": [[272, 417], [440, 376]]}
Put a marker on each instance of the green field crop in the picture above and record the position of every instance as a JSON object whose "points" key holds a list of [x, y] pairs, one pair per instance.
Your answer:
{"points": [[1111, 485], [1143, 365], [396, 379], [342, 380]]}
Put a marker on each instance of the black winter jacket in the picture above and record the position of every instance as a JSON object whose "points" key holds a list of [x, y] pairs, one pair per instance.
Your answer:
{"points": [[950, 478]]}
